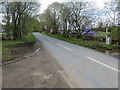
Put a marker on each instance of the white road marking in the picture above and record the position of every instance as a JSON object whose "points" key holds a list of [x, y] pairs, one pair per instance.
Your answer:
{"points": [[64, 47], [37, 50], [103, 64]]}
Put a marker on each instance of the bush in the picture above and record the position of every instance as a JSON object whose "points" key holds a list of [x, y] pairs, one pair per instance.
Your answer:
{"points": [[115, 34], [114, 46], [110, 29], [96, 45]]}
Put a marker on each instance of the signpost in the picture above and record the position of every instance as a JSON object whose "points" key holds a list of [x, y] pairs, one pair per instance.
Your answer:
{"points": [[107, 33], [108, 39]]}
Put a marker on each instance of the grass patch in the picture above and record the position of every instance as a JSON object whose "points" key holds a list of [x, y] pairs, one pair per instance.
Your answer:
{"points": [[6, 55], [7, 44]]}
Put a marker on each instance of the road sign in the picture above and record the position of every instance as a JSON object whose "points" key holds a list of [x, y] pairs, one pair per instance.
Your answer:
{"points": [[107, 25]]}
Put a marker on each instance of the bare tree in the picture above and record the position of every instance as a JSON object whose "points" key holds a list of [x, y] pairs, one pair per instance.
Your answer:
{"points": [[17, 14], [111, 11]]}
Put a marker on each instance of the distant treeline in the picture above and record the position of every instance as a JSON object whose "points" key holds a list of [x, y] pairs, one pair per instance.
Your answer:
{"points": [[76, 16]]}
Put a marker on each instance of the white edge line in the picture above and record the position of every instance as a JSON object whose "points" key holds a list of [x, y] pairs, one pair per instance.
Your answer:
{"points": [[37, 50], [103, 64], [64, 47]]}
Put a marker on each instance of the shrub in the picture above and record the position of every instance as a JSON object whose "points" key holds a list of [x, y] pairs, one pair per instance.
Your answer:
{"points": [[115, 34], [95, 45]]}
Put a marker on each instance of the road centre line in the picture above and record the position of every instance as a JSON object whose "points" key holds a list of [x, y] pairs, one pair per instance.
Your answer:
{"points": [[103, 64], [64, 47]]}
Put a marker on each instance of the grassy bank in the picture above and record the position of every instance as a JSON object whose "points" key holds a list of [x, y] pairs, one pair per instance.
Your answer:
{"points": [[7, 44], [90, 44]]}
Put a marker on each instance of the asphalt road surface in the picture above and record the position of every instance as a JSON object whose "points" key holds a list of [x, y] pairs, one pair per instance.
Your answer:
{"points": [[39, 71], [84, 68]]}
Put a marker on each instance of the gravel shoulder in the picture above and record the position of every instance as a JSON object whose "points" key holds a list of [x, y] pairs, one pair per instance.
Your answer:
{"points": [[38, 71]]}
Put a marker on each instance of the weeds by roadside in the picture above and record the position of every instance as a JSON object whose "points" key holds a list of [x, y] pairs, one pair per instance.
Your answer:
{"points": [[11, 47], [90, 44]]}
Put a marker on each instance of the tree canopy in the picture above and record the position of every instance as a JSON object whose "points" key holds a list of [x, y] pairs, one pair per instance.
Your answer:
{"points": [[18, 17]]}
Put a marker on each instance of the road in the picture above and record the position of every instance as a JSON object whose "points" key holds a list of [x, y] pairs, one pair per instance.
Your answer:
{"points": [[84, 68], [38, 71]]}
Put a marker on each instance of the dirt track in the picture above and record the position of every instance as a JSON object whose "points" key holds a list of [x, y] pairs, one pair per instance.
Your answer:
{"points": [[39, 71]]}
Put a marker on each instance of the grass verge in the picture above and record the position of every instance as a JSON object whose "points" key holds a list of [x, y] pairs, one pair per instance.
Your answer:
{"points": [[7, 44], [90, 44]]}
